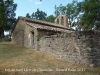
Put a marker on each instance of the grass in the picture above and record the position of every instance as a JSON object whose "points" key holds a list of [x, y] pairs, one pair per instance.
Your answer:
{"points": [[18, 60]]}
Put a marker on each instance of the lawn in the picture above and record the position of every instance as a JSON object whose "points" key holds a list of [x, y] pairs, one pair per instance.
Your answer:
{"points": [[18, 60]]}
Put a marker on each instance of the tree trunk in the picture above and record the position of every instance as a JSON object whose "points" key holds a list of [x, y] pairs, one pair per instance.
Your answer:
{"points": [[1, 33]]}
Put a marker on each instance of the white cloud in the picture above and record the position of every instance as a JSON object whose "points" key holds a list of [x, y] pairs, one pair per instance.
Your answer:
{"points": [[37, 3]]}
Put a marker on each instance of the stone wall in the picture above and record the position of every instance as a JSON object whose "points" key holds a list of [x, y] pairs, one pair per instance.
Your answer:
{"points": [[78, 47], [27, 36], [62, 20], [18, 33], [89, 45]]}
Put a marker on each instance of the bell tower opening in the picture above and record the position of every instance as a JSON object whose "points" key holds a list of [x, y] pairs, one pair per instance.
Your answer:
{"points": [[62, 20]]}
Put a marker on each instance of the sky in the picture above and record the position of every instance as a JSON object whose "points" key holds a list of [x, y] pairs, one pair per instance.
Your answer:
{"points": [[30, 6]]}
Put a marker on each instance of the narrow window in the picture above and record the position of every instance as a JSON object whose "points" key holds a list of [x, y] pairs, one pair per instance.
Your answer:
{"points": [[62, 21], [57, 21]]}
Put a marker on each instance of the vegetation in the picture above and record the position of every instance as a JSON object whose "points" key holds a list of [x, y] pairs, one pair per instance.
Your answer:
{"points": [[71, 10], [19, 58], [91, 14], [40, 15], [50, 18], [81, 15], [7, 16]]}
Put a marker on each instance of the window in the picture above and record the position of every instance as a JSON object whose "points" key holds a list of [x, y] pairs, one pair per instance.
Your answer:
{"points": [[62, 21], [57, 21]]}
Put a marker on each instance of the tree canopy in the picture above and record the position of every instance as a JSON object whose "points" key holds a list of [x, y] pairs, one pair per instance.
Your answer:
{"points": [[71, 10], [39, 15], [50, 18], [81, 15], [91, 14], [7, 16], [84, 14]]}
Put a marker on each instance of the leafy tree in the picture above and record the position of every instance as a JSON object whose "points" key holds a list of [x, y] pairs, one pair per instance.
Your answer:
{"points": [[82, 15], [7, 16], [2, 18], [28, 15], [72, 11], [91, 14], [39, 15], [60, 10], [50, 18]]}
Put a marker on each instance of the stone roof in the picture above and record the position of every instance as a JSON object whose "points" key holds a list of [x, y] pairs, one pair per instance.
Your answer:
{"points": [[44, 25]]}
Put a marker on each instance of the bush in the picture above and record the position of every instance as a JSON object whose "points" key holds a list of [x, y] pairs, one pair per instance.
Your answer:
{"points": [[7, 38]]}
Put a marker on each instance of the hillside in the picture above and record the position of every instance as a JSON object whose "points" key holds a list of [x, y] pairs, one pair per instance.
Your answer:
{"points": [[18, 60]]}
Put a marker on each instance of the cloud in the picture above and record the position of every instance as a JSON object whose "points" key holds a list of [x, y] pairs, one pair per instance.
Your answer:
{"points": [[37, 3]]}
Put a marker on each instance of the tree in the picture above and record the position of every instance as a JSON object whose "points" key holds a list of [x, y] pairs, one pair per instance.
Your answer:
{"points": [[39, 15], [60, 10], [28, 15], [7, 16], [2, 18], [71, 10], [91, 14], [50, 18], [72, 13]]}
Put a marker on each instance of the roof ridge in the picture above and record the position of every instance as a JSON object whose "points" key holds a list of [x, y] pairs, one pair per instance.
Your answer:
{"points": [[43, 22]]}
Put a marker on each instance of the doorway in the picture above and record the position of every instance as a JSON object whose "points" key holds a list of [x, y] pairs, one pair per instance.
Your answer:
{"points": [[32, 40]]}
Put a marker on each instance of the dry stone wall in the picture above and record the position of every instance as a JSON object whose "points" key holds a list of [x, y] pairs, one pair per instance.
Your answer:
{"points": [[78, 47]]}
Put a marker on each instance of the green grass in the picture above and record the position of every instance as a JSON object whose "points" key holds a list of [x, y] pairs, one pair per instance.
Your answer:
{"points": [[22, 61]]}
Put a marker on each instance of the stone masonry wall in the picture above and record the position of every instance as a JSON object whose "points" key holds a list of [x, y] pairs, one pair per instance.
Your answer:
{"points": [[78, 47], [18, 34], [89, 45]]}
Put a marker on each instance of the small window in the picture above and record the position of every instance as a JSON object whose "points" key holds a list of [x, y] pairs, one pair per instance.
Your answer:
{"points": [[62, 21], [57, 21]]}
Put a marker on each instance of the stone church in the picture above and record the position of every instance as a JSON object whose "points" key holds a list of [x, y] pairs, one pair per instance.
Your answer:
{"points": [[56, 39], [28, 31]]}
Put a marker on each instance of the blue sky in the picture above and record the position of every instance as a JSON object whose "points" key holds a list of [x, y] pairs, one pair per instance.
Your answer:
{"points": [[30, 6]]}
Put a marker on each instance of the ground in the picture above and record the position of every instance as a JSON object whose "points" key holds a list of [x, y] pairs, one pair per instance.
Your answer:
{"points": [[18, 60]]}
